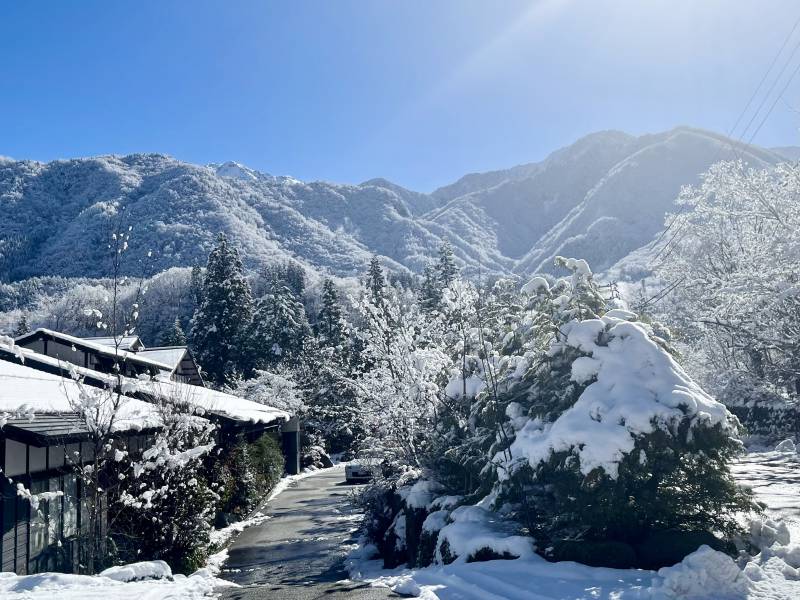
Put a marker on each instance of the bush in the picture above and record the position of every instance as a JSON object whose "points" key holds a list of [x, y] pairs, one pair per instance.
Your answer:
{"points": [[243, 475], [267, 463]]}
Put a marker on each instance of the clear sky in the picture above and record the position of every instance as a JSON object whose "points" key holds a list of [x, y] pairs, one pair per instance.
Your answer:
{"points": [[417, 91]]}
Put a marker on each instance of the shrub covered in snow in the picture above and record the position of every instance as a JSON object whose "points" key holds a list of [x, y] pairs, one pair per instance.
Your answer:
{"points": [[613, 441]]}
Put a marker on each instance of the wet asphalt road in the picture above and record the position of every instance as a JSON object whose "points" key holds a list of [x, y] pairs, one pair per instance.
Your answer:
{"points": [[299, 552]]}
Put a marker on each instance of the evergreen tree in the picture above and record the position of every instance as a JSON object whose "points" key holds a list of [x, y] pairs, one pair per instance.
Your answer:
{"points": [[446, 268], [196, 285], [280, 333], [672, 474], [376, 282], [174, 336], [221, 321], [430, 292], [331, 327], [21, 328], [295, 277]]}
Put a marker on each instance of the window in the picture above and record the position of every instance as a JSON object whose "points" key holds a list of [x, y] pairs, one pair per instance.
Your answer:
{"points": [[38, 522], [54, 512], [70, 506], [16, 460], [37, 459]]}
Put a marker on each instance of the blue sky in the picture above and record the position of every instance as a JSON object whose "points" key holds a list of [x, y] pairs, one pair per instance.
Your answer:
{"points": [[417, 91]]}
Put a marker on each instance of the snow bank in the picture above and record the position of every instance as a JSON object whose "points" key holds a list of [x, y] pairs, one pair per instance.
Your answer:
{"points": [[637, 387], [128, 582], [474, 528], [705, 571], [786, 446], [219, 537], [765, 532], [154, 569], [421, 494]]}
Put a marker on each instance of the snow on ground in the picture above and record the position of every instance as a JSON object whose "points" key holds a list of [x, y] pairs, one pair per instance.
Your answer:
{"points": [[113, 584], [704, 575], [775, 478]]}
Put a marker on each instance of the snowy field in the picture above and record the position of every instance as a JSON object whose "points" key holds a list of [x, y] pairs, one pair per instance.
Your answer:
{"points": [[707, 575]]}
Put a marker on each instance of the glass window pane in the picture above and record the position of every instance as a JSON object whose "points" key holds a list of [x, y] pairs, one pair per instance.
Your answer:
{"points": [[38, 459], [54, 513], [70, 506], [56, 458], [38, 535], [15, 458]]}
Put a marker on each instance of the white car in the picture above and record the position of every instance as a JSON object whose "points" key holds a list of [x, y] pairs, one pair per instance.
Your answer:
{"points": [[361, 468]]}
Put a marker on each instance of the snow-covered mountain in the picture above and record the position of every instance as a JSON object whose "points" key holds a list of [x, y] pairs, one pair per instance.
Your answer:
{"points": [[600, 198]]}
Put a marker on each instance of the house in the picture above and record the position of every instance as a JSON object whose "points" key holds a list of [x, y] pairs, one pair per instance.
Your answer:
{"points": [[164, 371], [42, 438]]}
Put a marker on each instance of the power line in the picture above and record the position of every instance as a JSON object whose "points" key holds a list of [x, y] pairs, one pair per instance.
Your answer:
{"points": [[732, 130], [731, 142]]}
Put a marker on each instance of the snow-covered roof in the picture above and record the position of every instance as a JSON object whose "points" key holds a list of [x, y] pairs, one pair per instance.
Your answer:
{"points": [[213, 401], [207, 400], [25, 391], [128, 342], [168, 355], [94, 346]]}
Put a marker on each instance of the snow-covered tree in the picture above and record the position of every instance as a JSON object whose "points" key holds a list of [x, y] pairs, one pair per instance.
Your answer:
{"points": [[276, 387], [280, 332], [376, 281], [446, 269], [165, 505], [732, 265], [430, 291], [401, 386], [21, 328], [606, 436], [220, 324], [174, 336], [331, 328]]}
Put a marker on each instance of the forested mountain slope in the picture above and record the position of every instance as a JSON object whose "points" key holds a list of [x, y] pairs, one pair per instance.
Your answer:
{"points": [[600, 198]]}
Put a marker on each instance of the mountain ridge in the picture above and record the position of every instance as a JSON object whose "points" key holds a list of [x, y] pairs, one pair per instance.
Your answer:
{"points": [[602, 197]]}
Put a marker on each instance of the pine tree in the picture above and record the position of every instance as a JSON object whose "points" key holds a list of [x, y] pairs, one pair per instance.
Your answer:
{"points": [[376, 282], [280, 333], [196, 285], [331, 327], [221, 321], [21, 328], [674, 477], [446, 268], [174, 336], [430, 292]]}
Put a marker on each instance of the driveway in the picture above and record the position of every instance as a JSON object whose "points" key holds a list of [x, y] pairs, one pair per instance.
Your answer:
{"points": [[299, 552]]}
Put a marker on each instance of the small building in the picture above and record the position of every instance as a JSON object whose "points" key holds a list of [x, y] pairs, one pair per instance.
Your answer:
{"points": [[42, 439], [40, 430]]}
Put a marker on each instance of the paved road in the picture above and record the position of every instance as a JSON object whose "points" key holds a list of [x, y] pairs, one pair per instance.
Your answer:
{"points": [[298, 553]]}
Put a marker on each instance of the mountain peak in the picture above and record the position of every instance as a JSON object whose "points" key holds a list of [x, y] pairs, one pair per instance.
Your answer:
{"points": [[235, 170]]}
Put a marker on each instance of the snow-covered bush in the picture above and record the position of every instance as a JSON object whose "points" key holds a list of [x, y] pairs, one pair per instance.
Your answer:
{"points": [[164, 506], [609, 439]]}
